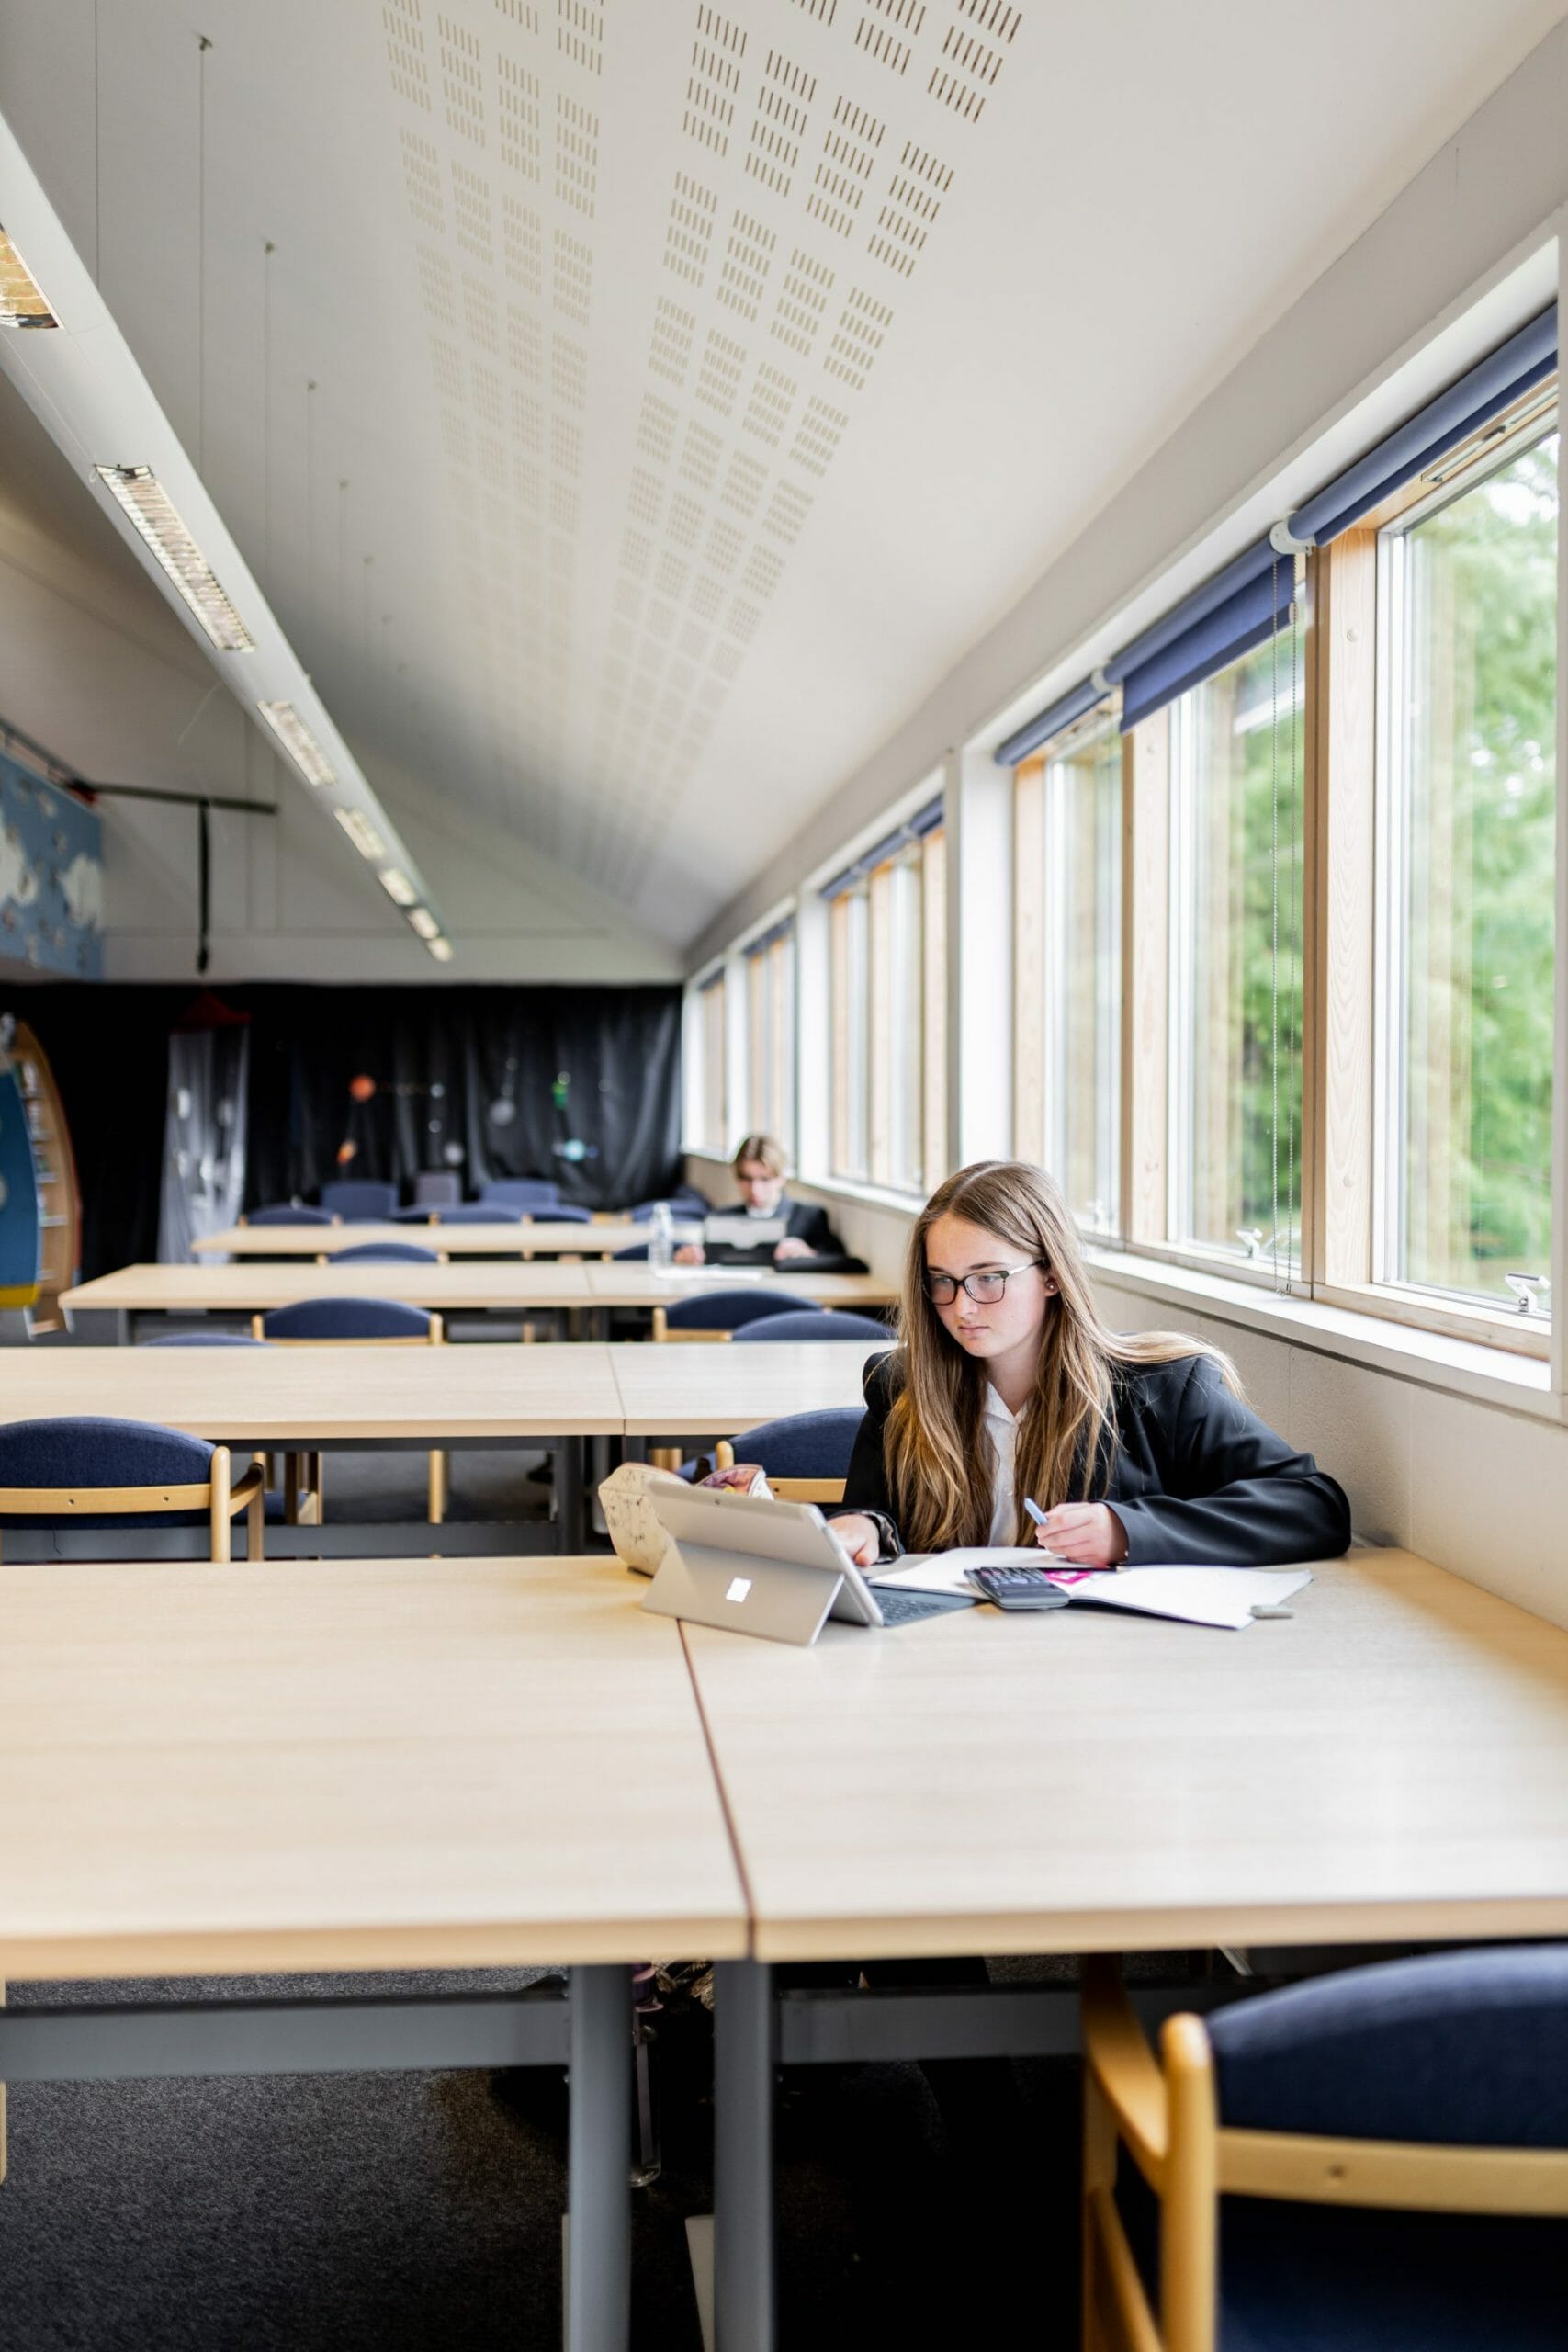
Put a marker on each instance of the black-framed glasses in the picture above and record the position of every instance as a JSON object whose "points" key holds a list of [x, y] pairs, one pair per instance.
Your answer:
{"points": [[984, 1289]]}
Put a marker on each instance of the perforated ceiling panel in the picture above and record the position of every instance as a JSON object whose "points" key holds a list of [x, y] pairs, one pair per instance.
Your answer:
{"points": [[816, 143]]}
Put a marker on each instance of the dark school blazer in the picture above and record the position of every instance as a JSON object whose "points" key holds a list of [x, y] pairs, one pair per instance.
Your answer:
{"points": [[1198, 1479], [805, 1222]]}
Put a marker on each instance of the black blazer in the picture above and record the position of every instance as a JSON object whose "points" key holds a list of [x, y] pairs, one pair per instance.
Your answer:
{"points": [[1197, 1477], [805, 1222]]}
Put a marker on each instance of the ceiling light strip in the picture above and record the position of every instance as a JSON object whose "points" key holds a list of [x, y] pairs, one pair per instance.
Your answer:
{"points": [[146, 505], [299, 742]]}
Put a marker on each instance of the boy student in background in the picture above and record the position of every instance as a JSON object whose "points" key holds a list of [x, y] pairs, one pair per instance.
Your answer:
{"points": [[759, 1170], [1007, 1388]]}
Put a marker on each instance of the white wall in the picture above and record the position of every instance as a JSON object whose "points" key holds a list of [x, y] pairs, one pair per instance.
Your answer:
{"points": [[95, 667]]}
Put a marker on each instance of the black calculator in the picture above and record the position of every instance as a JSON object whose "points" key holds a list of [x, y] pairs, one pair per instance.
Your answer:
{"points": [[1018, 1588]]}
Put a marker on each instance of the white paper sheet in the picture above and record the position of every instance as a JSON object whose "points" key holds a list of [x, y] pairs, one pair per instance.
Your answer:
{"points": [[1224, 1597]]}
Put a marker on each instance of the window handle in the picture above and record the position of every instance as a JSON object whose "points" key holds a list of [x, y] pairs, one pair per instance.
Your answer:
{"points": [[1251, 1238], [1530, 1292]]}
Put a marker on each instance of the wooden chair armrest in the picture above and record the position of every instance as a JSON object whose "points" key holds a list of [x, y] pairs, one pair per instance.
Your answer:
{"points": [[245, 1488], [1125, 2069]]}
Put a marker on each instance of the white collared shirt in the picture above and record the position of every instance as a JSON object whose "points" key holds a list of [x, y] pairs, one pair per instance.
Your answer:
{"points": [[1002, 1430]]}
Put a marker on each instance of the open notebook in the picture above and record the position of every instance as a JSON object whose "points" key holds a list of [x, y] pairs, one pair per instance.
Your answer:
{"points": [[1198, 1596]]}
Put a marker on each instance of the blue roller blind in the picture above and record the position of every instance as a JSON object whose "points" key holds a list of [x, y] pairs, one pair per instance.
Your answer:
{"points": [[1466, 408], [1236, 610], [915, 828], [783, 928], [1050, 721]]}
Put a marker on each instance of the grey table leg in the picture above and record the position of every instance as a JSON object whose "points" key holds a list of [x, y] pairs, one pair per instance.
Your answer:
{"points": [[122, 1329], [599, 2206], [743, 2158], [570, 1534]]}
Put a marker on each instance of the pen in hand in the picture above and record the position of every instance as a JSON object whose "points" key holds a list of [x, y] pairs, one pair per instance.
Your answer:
{"points": [[1085, 1534]]}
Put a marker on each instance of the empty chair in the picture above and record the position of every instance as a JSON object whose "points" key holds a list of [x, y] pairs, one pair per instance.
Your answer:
{"points": [[387, 1254], [360, 1200], [348, 1322], [534, 1194], [203, 1340], [716, 1314], [1428, 2097], [437, 1188], [806, 1456], [820, 1325], [94, 1472], [288, 1212], [478, 1213]]}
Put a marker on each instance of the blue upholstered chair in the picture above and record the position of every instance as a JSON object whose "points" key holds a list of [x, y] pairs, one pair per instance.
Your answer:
{"points": [[533, 1195], [437, 1188], [478, 1213], [637, 1249], [818, 1324], [349, 1322], [1344, 2166], [94, 1472], [806, 1456], [203, 1340], [359, 1200], [387, 1254], [561, 1213], [288, 1212], [644, 1210], [720, 1314]]}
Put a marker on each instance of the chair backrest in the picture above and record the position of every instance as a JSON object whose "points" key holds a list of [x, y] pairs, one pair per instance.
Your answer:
{"points": [[202, 1340], [362, 1198], [804, 1445], [288, 1212], [644, 1210], [148, 1476], [522, 1192], [817, 1325], [348, 1318], [478, 1213], [731, 1310], [637, 1249], [437, 1188], [1461, 2047], [564, 1213], [388, 1253]]}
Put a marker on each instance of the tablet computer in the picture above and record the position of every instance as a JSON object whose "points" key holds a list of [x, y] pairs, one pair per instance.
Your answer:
{"points": [[755, 1566]]}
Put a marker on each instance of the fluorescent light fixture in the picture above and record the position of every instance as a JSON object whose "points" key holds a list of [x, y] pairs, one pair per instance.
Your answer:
{"points": [[398, 886], [424, 923], [440, 948], [361, 832], [298, 741], [143, 498], [21, 304]]}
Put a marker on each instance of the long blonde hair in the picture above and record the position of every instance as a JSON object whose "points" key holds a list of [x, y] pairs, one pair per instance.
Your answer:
{"points": [[939, 1467]]}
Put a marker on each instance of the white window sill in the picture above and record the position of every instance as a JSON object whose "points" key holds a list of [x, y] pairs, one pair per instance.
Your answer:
{"points": [[1495, 1375]]}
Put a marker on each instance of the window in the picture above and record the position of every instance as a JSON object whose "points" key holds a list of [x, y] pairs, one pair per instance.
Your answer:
{"points": [[1467, 596], [1236, 905], [887, 968], [770, 1036], [1068, 967], [713, 1124]]}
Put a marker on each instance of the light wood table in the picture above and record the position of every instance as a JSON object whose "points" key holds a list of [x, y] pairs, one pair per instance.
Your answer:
{"points": [[316, 1399], [544, 1238], [714, 1392], [1392, 1762], [364, 1765], [471, 1284]]}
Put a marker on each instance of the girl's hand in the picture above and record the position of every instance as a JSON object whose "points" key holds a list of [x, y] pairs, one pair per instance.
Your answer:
{"points": [[861, 1537], [1088, 1534]]}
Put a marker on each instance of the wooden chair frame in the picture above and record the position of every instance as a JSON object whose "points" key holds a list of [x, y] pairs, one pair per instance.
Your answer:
{"points": [[1163, 2111], [786, 1490], [303, 1499], [666, 1337], [220, 1496]]}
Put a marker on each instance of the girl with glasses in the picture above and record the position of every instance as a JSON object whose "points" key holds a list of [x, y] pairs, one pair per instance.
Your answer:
{"points": [[1006, 1385]]}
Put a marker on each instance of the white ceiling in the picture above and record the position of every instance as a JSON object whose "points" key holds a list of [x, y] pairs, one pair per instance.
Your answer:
{"points": [[640, 405]]}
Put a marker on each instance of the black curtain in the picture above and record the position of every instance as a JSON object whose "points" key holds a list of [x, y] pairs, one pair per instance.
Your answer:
{"points": [[486, 1081]]}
